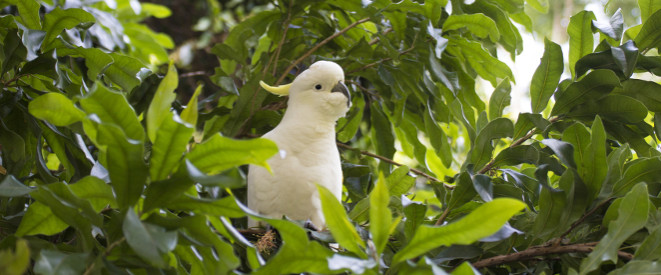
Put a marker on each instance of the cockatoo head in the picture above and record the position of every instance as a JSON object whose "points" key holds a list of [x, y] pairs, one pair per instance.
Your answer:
{"points": [[320, 87]]}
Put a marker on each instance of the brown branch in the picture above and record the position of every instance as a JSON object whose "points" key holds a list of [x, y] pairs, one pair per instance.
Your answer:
{"points": [[443, 216], [382, 158], [88, 270], [382, 60], [538, 251], [316, 47]]}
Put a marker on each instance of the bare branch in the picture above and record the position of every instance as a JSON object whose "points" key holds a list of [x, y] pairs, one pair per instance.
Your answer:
{"points": [[539, 251]]}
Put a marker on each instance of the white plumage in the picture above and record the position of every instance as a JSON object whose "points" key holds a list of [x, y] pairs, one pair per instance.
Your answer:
{"points": [[306, 141]]}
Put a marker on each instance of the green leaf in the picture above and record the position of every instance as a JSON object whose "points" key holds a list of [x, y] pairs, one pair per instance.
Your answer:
{"points": [[39, 219], [399, 182], [96, 191], [496, 129], [551, 205], [500, 98], [112, 107], [539, 5], [647, 92], [643, 170], [189, 114], [649, 37], [11, 187], [382, 132], [54, 262], [438, 139], [15, 262], [477, 24], [621, 59], [546, 76], [226, 206], [463, 191], [563, 150], [612, 107], [126, 71], [380, 215], [647, 8], [613, 28], [339, 225], [169, 146], [297, 254], [650, 249], [13, 52], [517, 155], [487, 66], [28, 10], [58, 19], [637, 267], [125, 164], [481, 222], [526, 122], [55, 108], [150, 242], [581, 41], [593, 86], [632, 216], [348, 126], [159, 108], [219, 153], [96, 60]]}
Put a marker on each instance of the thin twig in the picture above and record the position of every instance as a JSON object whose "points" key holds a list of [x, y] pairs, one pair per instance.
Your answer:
{"points": [[382, 60], [543, 251], [443, 216], [518, 142], [579, 221], [382, 158], [316, 47], [193, 74], [282, 39]]}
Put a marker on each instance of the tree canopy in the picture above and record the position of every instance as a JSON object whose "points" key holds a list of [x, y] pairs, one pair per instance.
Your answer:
{"points": [[114, 161]]}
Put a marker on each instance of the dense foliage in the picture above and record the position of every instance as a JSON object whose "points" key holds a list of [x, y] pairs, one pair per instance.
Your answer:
{"points": [[104, 169]]}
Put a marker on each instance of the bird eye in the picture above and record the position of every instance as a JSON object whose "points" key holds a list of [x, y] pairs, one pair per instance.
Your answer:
{"points": [[318, 86]]}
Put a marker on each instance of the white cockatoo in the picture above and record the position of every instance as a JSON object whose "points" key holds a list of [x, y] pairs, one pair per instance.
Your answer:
{"points": [[307, 154]]}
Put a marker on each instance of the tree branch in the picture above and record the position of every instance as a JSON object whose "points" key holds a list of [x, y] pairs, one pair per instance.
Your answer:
{"points": [[579, 221], [382, 158], [316, 47], [538, 251]]}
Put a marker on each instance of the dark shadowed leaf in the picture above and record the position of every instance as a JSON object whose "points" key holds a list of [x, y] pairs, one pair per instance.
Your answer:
{"points": [[563, 150], [496, 129], [592, 87], [150, 242], [649, 37], [53, 262], [11, 187]]}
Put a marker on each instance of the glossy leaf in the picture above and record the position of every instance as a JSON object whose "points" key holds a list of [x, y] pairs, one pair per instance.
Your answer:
{"points": [[621, 59], [490, 217], [648, 37], [477, 24], [581, 41], [11, 187], [219, 153], [169, 146], [632, 216], [613, 28], [496, 129], [39, 219], [53, 262], [55, 108], [112, 107], [380, 215], [125, 71], [159, 109], [592, 87], [500, 98], [58, 20], [148, 241], [338, 223], [546, 76]]}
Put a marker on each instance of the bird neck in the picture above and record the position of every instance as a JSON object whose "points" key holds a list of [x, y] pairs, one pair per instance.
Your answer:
{"points": [[309, 120]]}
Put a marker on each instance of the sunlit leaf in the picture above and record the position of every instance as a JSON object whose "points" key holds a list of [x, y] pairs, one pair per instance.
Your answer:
{"points": [[39, 219], [500, 98], [338, 223], [58, 19], [219, 153], [380, 215], [477, 24], [481, 222], [581, 41], [648, 37], [55, 108], [159, 108]]}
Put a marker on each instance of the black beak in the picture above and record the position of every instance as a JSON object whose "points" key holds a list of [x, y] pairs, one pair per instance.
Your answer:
{"points": [[341, 88]]}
